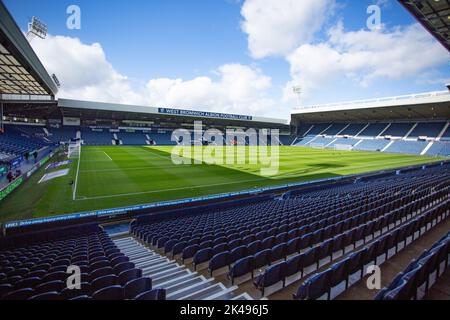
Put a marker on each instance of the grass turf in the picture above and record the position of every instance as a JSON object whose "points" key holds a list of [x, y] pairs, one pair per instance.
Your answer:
{"points": [[109, 177]]}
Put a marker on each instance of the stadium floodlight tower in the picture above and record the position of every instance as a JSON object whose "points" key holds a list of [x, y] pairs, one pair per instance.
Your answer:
{"points": [[36, 28], [298, 92]]}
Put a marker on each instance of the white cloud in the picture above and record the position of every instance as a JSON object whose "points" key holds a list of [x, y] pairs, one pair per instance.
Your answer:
{"points": [[86, 74], [239, 89], [276, 27], [363, 56]]}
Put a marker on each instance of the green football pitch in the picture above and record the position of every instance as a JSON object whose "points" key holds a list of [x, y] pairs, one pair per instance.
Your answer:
{"points": [[110, 177]]}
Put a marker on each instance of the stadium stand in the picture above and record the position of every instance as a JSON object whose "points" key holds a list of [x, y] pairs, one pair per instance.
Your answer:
{"points": [[99, 137], [62, 134], [16, 143], [419, 273], [35, 267], [269, 231], [133, 138], [407, 138]]}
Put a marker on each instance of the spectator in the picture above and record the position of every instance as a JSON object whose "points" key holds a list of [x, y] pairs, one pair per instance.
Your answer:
{"points": [[35, 155], [27, 156], [10, 177]]}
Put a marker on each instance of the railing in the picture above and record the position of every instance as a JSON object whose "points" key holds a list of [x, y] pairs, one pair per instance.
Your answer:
{"points": [[379, 100], [25, 97]]}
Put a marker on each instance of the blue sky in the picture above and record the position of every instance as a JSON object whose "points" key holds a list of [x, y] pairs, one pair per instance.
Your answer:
{"points": [[234, 56]]}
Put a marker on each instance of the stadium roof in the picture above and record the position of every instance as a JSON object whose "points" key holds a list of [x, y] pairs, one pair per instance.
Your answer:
{"points": [[21, 72], [434, 15], [434, 105], [114, 107]]}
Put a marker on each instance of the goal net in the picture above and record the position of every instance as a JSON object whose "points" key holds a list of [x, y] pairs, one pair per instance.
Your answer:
{"points": [[317, 145], [343, 147], [74, 150]]}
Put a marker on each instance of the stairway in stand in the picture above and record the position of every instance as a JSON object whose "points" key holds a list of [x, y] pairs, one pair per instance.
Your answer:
{"points": [[180, 282]]}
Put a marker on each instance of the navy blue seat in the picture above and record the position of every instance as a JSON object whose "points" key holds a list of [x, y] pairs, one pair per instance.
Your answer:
{"points": [[292, 246], [292, 266], [55, 286], [315, 287], [21, 294], [277, 252], [47, 296], [101, 272], [339, 274], [254, 247], [118, 260], [118, 269], [308, 259], [271, 276], [109, 293], [103, 282], [267, 243], [241, 268], [178, 248], [238, 253], [126, 276], [136, 287], [156, 294], [189, 252], [324, 251], [222, 247], [5, 288], [262, 258], [202, 256], [219, 261]]}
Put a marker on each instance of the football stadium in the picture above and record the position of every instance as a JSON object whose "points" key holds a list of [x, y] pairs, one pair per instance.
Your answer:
{"points": [[114, 201]]}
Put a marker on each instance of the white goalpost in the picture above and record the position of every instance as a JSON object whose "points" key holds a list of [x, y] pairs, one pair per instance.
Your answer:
{"points": [[317, 145], [343, 147], [74, 150]]}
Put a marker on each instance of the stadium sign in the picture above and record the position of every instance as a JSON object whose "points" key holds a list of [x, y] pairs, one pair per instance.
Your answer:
{"points": [[203, 114], [10, 188]]}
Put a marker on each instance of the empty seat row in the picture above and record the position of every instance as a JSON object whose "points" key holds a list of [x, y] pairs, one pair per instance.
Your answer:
{"points": [[322, 283], [406, 284]]}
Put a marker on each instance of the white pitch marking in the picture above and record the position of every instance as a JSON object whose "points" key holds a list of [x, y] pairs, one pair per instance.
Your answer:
{"points": [[107, 156], [287, 174]]}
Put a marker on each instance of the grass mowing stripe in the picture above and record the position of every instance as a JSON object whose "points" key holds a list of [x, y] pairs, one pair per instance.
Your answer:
{"points": [[144, 174]]}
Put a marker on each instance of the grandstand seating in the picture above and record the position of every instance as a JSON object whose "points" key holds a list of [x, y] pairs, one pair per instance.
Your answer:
{"points": [[271, 230], [372, 145], [14, 142], [446, 135], [371, 137], [418, 273], [439, 149], [96, 138], [322, 283], [373, 130], [162, 139], [430, 129], [398, 129], [133, 138], [353, 129], [35, 267], [287, 140], [412, 147], [335, 129], [62, 134]]}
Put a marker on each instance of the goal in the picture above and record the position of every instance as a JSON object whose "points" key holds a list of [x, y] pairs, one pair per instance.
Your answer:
{"points": [[74, 150], [343, 147], [317, 145]]}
